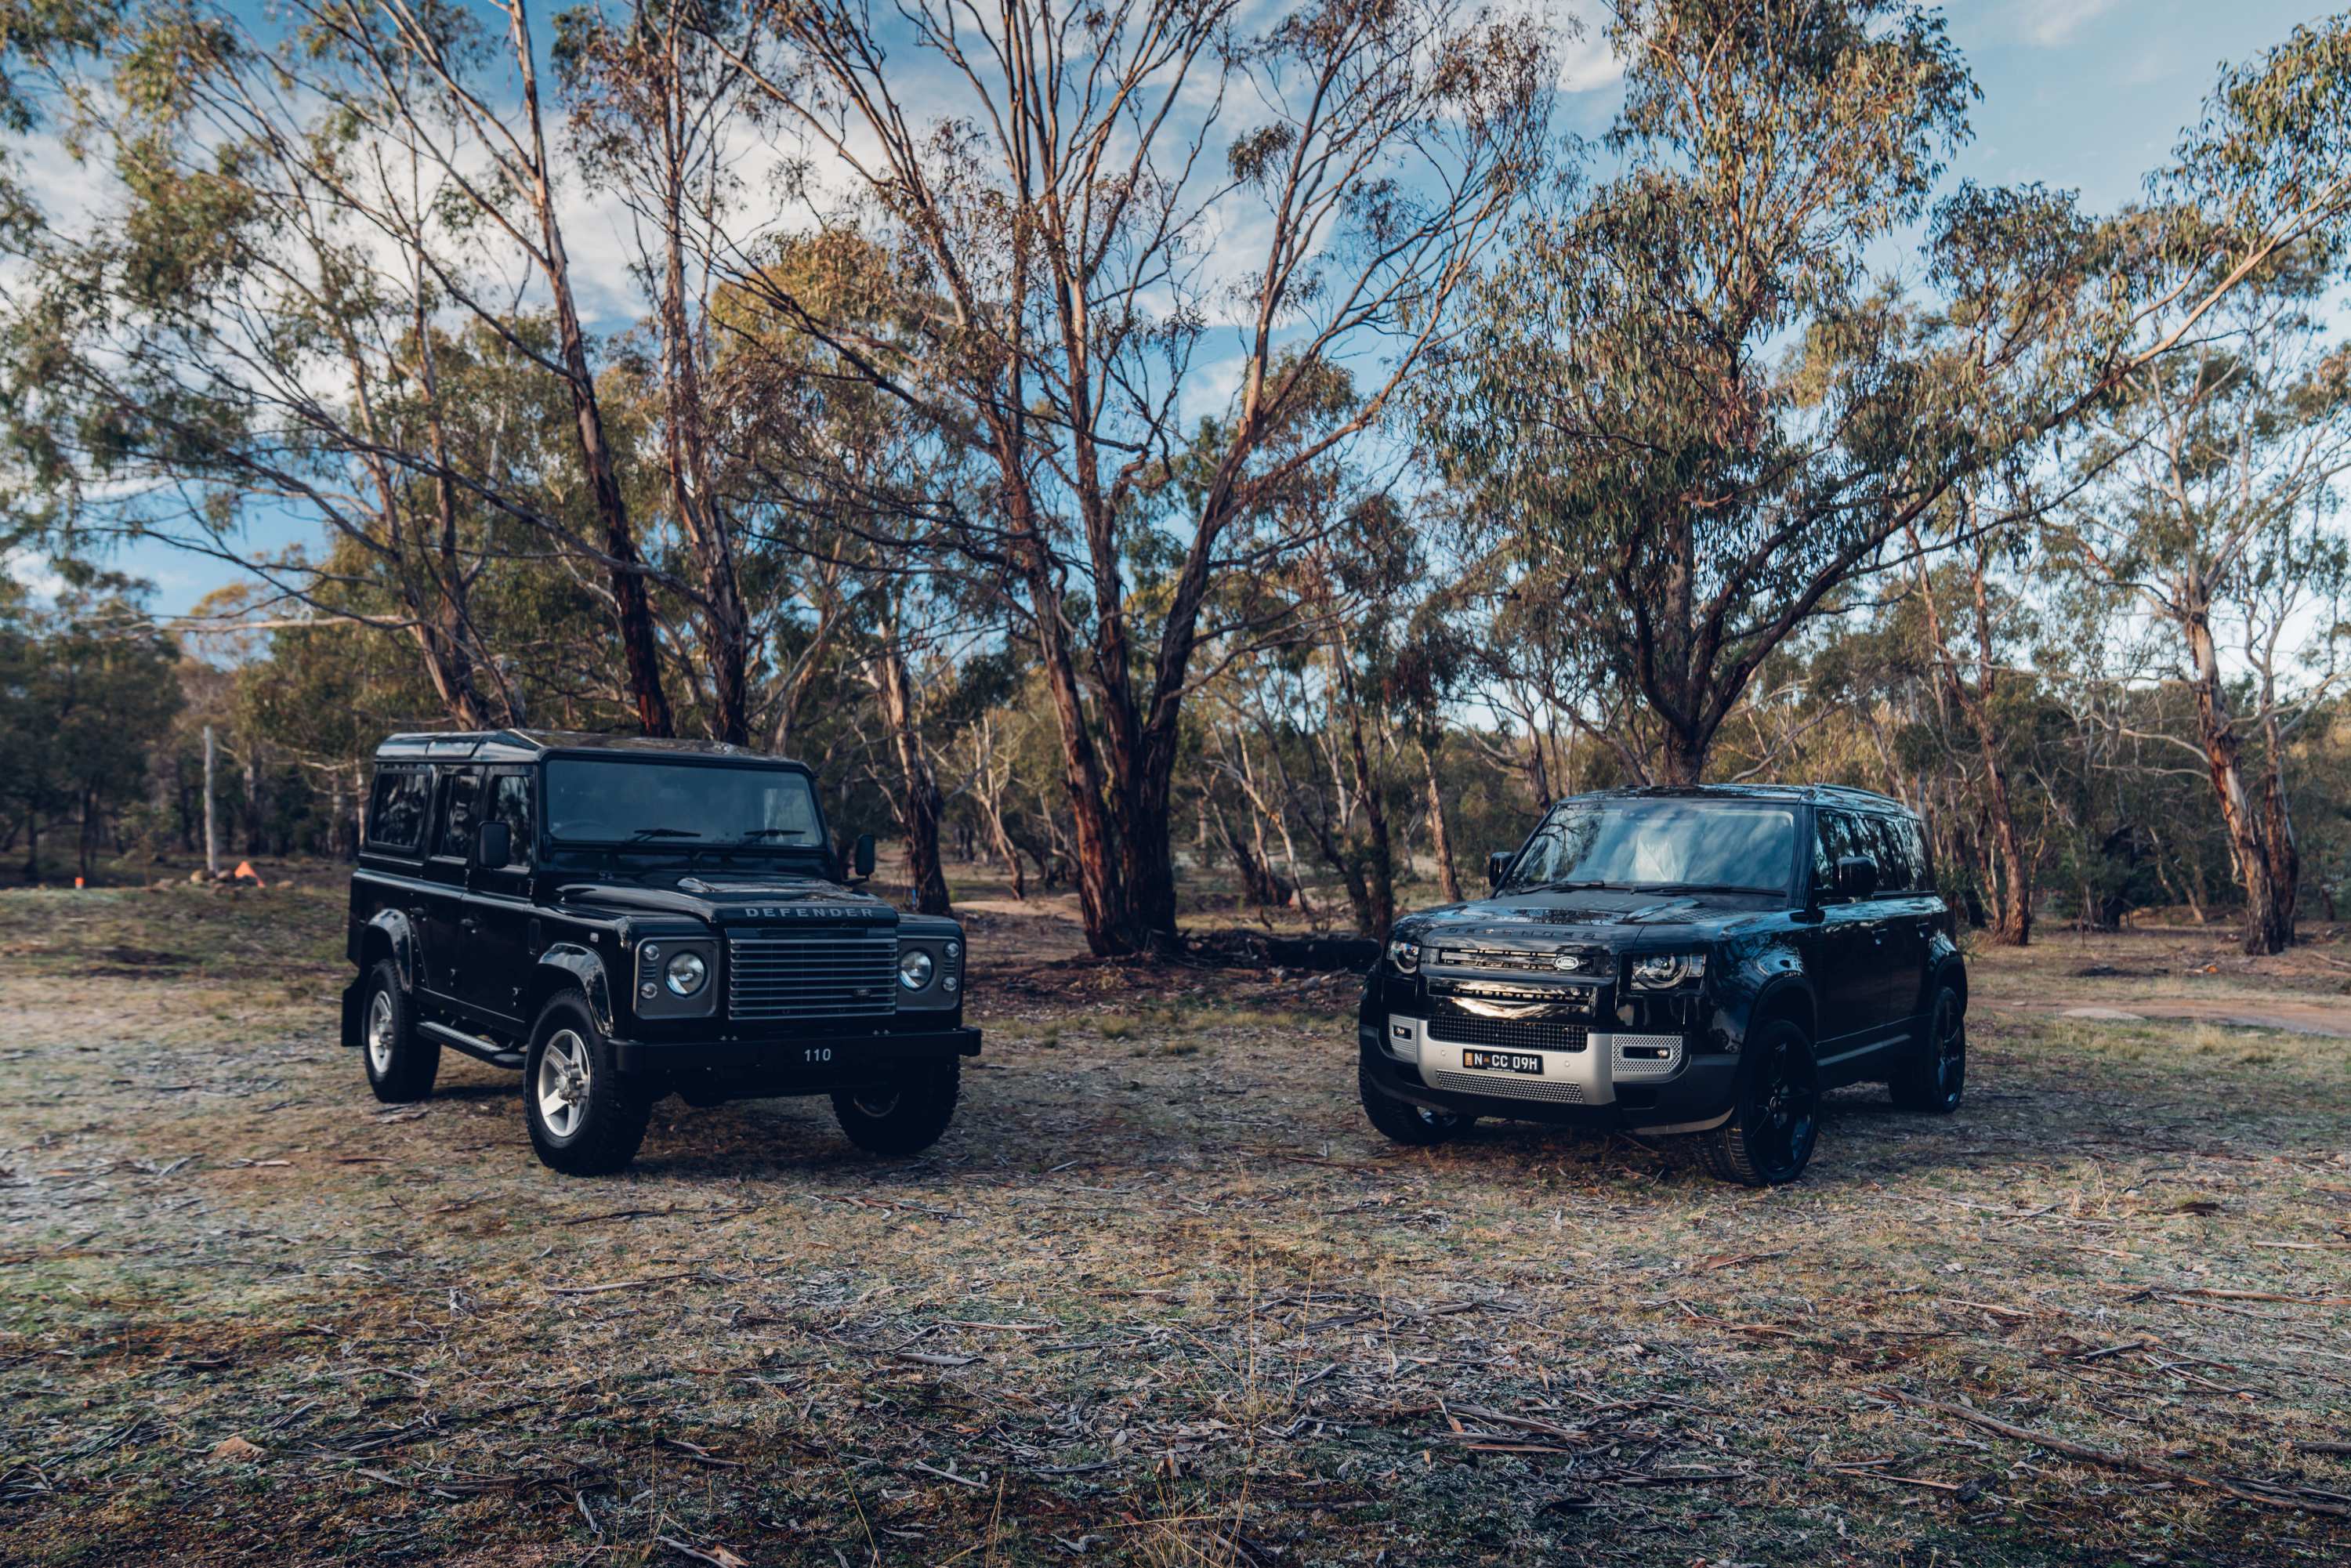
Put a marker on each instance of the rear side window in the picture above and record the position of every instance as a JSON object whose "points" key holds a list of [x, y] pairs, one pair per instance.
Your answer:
{"points": [[397, 810], [510, 804], [458, 815], [1898, 867]]}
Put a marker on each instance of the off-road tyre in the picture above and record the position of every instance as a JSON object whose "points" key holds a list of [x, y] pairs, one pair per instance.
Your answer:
{"points": [[401, 1063], [585, 1118], [1932, 1076], [1775, 1116], [906, 1117], [1402, 1121]]}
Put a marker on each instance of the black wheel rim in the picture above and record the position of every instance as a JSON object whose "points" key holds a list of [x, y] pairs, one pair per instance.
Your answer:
{"points": [[1950, 1050], [1787, 1110]]}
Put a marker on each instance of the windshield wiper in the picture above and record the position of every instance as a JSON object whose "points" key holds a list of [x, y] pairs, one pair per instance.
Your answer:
{"points": [[769, 833], [1702, 887], [642, 834], [1572, 887]]}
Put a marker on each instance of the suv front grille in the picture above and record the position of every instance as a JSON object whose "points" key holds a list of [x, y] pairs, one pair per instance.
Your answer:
{"points": [[1592, 965], [813, 974], [1534, 1036]]}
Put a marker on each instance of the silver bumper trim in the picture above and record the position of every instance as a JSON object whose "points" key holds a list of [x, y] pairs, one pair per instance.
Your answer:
{"points": [[1586, 1077]]}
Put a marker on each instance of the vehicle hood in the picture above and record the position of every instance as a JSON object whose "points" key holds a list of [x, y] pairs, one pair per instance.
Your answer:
{"points": [[1598, 918], [734, 899]]}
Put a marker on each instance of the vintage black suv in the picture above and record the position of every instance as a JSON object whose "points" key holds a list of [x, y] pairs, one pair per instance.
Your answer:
{"points": [[626, 918], [1704, 961]]}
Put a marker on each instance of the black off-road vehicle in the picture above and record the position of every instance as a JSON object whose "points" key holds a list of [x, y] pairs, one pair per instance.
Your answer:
{"points": [[1706, 961], [623, 919]]}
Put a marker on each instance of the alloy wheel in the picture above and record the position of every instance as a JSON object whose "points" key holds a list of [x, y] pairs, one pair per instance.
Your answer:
{"points": [[562, 1085], [1787, 1107], [380, 1032], [1950, 1048]]}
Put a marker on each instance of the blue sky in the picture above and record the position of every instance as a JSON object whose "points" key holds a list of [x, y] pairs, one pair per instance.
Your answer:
{"points": [[2084, 94]]}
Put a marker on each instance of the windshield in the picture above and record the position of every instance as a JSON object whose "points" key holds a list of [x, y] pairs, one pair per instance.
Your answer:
{"points": [[1684, 846], [600, 802]]}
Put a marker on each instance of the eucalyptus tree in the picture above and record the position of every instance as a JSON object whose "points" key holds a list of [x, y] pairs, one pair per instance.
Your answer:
{"points": [[298, 222], [2221, 522], [656, 105], [1128, 214], [1690, 418]]}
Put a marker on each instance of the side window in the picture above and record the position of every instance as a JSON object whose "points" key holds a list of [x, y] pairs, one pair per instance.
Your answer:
{"points": [[396, 809], [1917, 840], [510, 804], [1874, 838], [461, 805], [1840, 835]]}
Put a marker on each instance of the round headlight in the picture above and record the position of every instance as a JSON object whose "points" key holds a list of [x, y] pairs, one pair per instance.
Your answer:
{"points": [[914, 969], [686, 974], [1405, 955]]}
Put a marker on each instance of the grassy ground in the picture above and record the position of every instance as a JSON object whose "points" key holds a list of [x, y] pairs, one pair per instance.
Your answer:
{"points": [[1159, 1297]]}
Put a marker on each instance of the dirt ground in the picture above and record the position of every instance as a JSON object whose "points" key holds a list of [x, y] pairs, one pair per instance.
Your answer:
{"points": [[1160, 1296]]}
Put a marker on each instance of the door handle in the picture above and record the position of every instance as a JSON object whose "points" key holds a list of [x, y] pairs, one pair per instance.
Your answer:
{"points": [[469, 926]]}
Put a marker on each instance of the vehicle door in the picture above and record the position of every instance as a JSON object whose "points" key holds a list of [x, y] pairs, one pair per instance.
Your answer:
{"points": [[1907, 897], [499, 906], [448, 924], [1849, 978]]}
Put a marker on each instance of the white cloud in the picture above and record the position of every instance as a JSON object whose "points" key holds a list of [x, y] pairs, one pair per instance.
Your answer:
{"points": [[2052, 22], [32, 570], [1587, 63]]}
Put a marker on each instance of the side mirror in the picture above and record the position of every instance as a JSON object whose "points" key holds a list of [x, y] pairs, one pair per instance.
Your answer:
{"points": [[861, 857], [1498, 865], [1857, 876], [493, 844]]}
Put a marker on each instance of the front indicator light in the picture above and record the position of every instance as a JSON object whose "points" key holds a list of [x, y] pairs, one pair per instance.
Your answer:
{"points": [[914, 969], [687, 974]]}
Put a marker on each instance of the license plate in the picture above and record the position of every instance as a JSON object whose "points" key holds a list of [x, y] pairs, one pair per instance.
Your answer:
{"points": [[1502, 1061]]}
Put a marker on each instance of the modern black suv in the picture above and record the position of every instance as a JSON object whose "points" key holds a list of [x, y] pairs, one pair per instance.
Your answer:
{"points": [[1704, 961], [626, 918]]}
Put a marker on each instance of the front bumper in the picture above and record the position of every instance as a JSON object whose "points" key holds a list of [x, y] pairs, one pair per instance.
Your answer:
{"points": [[821, 1062], [1654, 1082]]}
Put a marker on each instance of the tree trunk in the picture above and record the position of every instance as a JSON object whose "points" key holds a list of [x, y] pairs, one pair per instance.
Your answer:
{"points": [[2269, 902], [726, 621], [1376, 910], [633, 606], [1440, 830], [920, 806]]}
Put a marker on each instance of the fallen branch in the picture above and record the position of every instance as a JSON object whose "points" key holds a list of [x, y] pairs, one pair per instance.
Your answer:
{"points": [[2113, 1459]]}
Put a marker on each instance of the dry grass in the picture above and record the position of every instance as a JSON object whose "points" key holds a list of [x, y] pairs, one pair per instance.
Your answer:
{"points": [[1159, 1297]]}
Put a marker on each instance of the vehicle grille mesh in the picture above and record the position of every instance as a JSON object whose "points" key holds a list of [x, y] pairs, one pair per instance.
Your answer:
{"points": [[1541, 1035], [813, 974], [1504, 1085]]}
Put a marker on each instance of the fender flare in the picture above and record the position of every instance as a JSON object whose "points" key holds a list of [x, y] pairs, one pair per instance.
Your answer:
{"points": [[1789, 993], [568, 964], [389, 933], [1950, 970]]}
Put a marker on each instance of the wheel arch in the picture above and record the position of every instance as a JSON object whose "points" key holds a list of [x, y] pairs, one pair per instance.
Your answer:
{"points": [[389, 935], [567, 965], [1791, 999], [1951, 972]]}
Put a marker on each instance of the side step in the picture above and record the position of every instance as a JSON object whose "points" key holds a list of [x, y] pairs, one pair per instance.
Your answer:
{"points": [[475, 1046]]}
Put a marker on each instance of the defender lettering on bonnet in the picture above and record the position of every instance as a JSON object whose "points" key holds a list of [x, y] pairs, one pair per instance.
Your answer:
{"points": [[564, 927]]}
